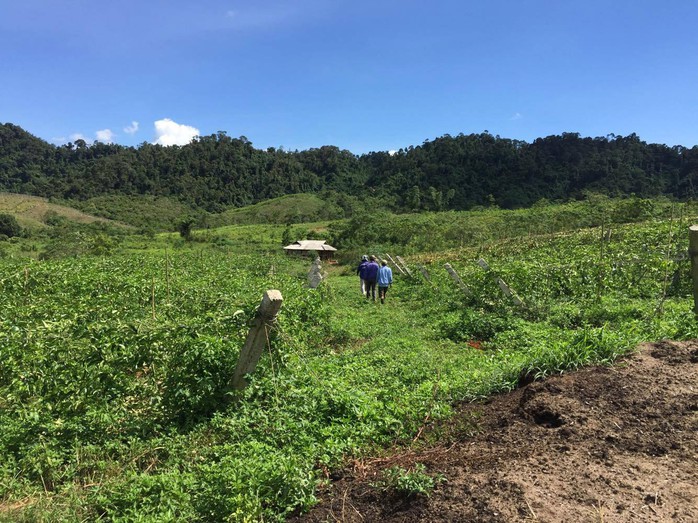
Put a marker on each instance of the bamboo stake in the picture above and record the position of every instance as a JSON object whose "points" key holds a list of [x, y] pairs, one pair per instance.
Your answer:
{"points": [[599, 282], [167, 274], [152, 297], [26, 285], [666, 262]]}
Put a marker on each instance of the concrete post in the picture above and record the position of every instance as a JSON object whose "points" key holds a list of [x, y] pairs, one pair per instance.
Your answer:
{"points": [[257, 338], [315, 276], [404, 266], [456, 277], [502, 284]]}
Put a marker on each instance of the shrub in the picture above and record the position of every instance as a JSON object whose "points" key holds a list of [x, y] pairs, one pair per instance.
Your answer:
{"points": [[9, 226]]}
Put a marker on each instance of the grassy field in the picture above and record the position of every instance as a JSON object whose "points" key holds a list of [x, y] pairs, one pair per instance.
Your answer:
{"points": [[163, 214], [293, 208], [32, 211], [145, 212], [114, 389]]}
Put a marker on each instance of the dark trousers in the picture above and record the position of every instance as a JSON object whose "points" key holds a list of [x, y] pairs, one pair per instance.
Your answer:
{"points": [[371, 289]]}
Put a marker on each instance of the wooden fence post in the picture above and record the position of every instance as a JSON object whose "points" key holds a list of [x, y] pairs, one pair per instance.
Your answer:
{"points": [[404, 266], [693, 253], [264, 320], [456, 277], [502, 284]]}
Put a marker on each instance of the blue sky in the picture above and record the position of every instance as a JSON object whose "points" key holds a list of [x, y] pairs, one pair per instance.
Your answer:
{"points": [[363, 75]]}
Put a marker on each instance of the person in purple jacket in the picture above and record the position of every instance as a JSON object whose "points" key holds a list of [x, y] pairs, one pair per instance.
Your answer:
{"points": [[359, 270], [370, 275]]}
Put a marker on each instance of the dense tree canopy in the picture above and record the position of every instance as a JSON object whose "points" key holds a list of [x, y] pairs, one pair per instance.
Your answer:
{"points": [[451, 172]]}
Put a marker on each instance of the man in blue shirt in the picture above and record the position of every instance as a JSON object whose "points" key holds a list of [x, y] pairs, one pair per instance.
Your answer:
{"points": [[370, 275], [385, 280]]}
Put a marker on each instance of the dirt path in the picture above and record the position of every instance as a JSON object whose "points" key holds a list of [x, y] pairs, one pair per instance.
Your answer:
{"points": [[604, 445]]}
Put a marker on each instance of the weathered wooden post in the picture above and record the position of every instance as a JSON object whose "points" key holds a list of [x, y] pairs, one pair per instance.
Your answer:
{"points": [[404, 266], [502, 284], [456, 277], [693, 253], [264, 320]]}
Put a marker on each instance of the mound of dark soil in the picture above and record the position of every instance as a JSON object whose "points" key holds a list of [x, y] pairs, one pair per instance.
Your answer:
{"points": [[603, 444]]}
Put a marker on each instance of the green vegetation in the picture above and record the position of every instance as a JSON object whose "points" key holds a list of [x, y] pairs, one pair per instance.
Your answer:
{"points": [[293, 208], [149, 213], [9, 227], [415, 482], [35, 213], [114, 388], [215, 173]]}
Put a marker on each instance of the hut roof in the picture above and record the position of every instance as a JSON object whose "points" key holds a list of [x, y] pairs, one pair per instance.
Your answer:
{"points": [[309, 245]]}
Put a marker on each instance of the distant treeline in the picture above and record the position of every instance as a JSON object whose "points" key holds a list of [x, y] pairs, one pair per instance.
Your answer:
{"points": [[451, 172]]}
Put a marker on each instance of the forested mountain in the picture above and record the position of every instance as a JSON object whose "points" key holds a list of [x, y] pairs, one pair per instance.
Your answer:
{"points": [[451, 172]]}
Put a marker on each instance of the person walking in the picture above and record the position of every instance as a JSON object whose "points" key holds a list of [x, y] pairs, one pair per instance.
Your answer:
{"points": [[384, 279], [359, 271], [371, 275]]}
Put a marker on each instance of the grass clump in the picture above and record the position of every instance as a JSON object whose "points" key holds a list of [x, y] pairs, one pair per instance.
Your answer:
{"points": [[409, 482]]}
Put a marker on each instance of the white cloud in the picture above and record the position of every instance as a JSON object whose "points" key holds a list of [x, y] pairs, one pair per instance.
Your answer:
{"points": [[168, 132], [131, 129], [517, 116], [105, 136], [392, 152]]}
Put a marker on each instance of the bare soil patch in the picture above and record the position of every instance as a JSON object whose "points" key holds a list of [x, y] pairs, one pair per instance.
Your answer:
{"points": [[605, 444]]}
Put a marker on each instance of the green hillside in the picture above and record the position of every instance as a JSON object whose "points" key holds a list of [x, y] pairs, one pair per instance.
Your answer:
{"points": [[153, 212], [34, 212], [292, 208], [215, 173], [162, 213]]}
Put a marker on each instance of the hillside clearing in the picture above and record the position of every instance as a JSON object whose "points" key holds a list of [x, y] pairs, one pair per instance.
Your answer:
{"points": [[32, 211]]}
